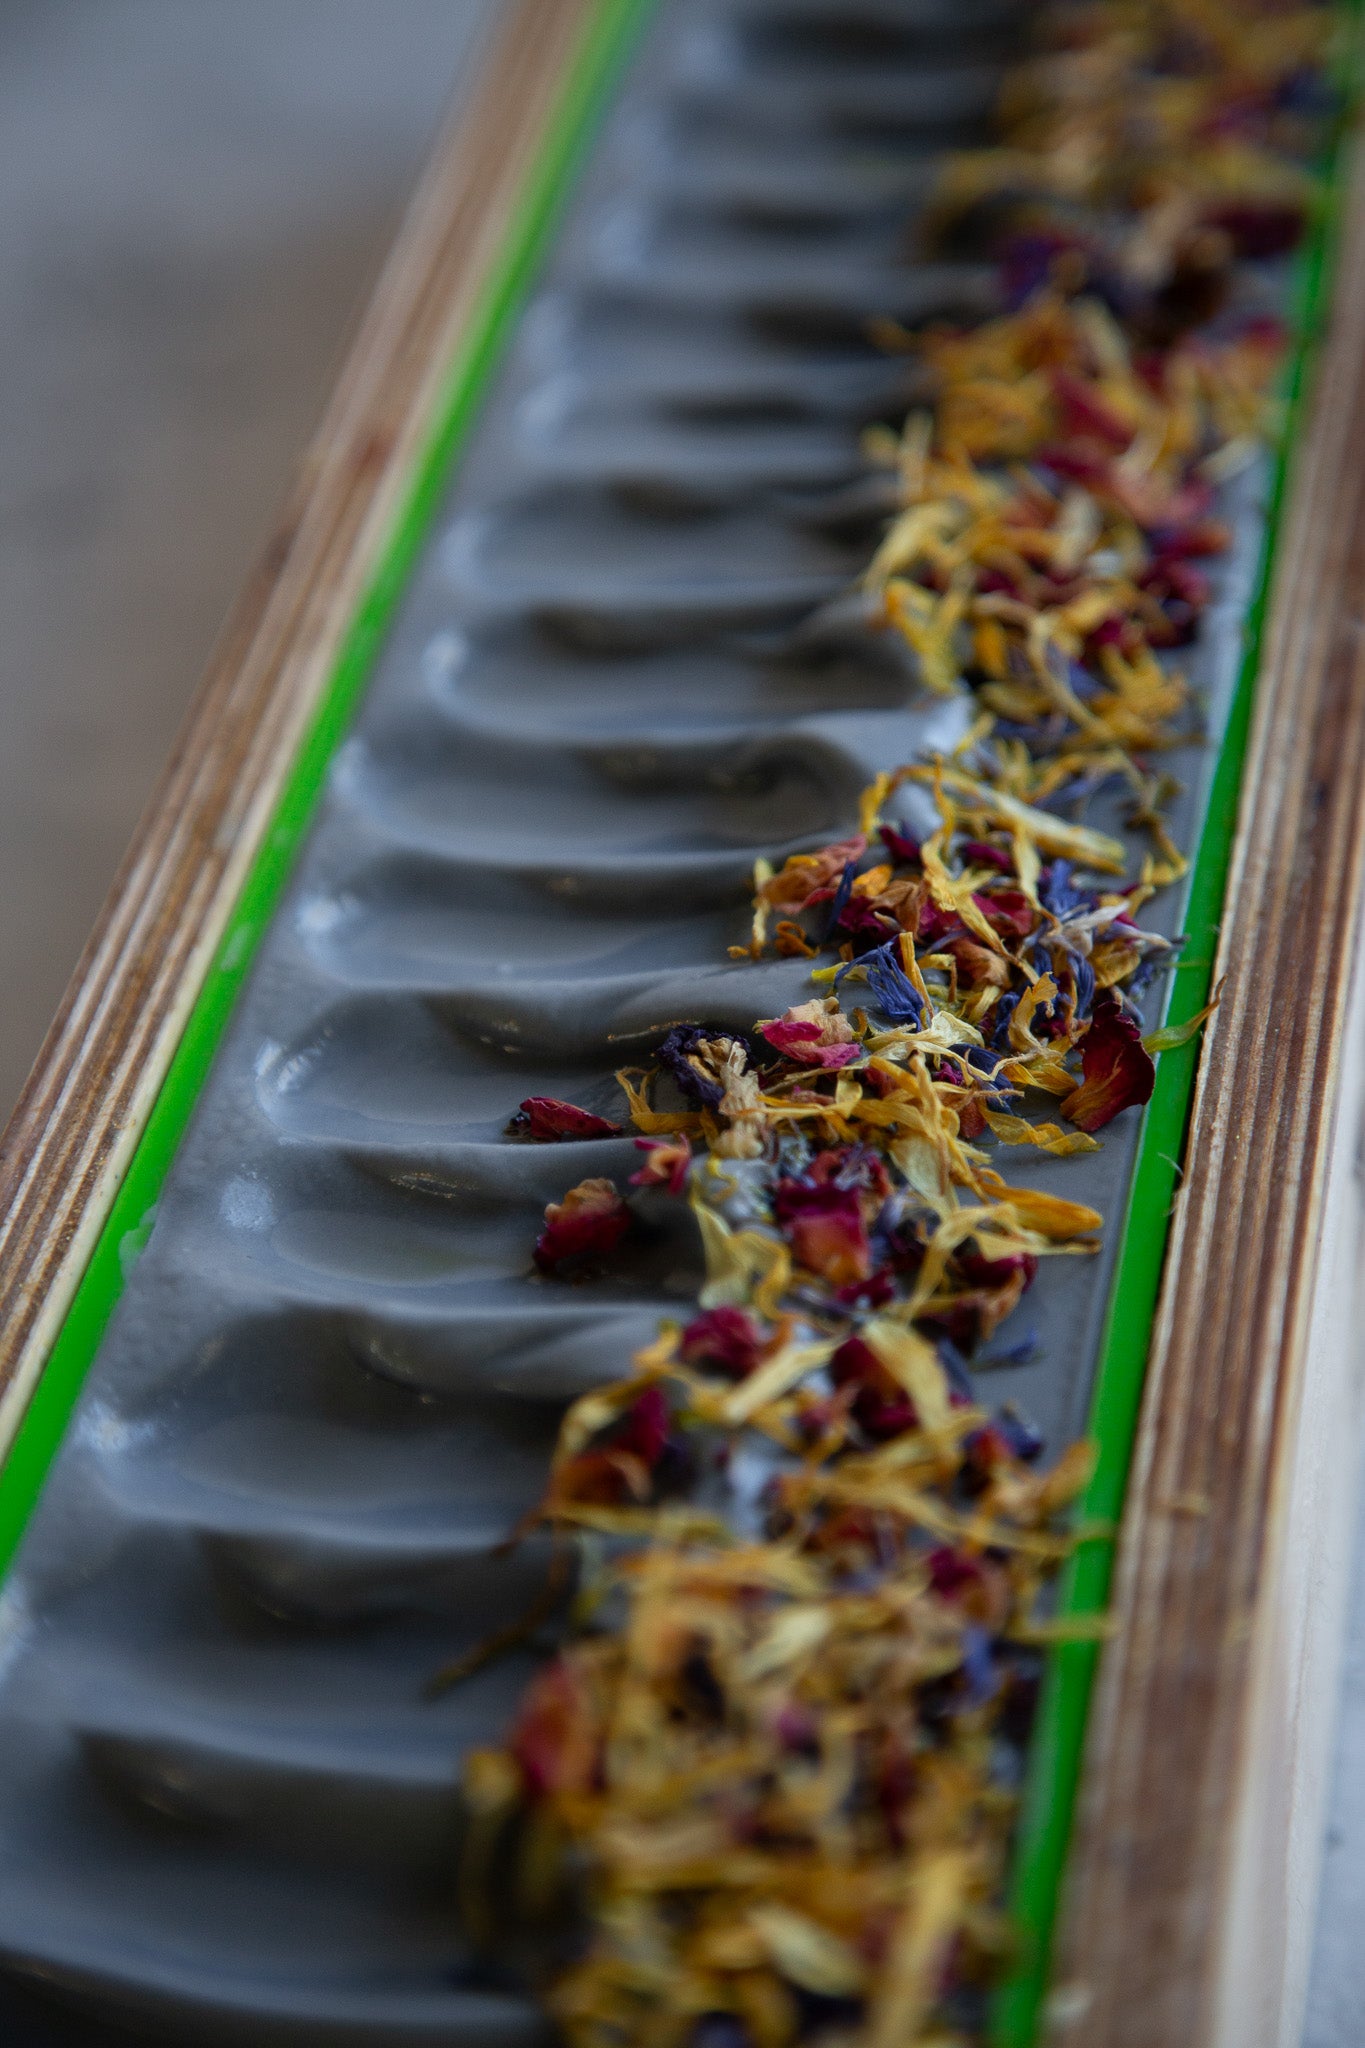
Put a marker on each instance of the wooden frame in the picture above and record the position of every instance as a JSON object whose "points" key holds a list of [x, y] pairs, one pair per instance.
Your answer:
{"points": [[1193, 1867]]}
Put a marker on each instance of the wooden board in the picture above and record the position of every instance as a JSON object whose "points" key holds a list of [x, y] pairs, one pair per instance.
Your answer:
{"points": [[1195, 1864]]}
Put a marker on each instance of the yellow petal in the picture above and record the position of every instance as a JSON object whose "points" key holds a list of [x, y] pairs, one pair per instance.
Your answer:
{"points": [[1050, 1216], [1017, 1130], [809, 1954]]}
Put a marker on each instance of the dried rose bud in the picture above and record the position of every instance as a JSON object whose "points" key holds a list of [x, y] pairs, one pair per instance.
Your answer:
{"points": [[592, 1218], [549, 1121], [725, 1340]]}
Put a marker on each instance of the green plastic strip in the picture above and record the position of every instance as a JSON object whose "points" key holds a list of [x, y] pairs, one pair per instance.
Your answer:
{"points": [[1059, 1730], [603, 48]]}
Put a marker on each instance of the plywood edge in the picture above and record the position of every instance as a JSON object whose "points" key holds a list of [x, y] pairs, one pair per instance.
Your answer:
{"points": [[85, 1106], [1169, 1938], [1282, 1770]]}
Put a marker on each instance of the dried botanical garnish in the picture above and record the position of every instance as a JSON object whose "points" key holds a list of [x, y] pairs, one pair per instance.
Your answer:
{"points": [[1117, 1066], [590, 1222], [547, 1120], [771, 1771]]}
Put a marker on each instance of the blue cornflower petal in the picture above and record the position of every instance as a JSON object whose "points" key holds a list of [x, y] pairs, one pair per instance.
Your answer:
{"points": [[1017, 1353], [978, 1665], [1085, 983], [893, 992], [1023, 1436], [955, 1368], [1058, 893], [1000, 1030], [841, 896], [892, 989]]}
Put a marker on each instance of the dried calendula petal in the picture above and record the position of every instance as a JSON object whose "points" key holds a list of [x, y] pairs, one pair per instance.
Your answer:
{"points": [[1052, 1216], [808, 1954], [1016, 1130]]}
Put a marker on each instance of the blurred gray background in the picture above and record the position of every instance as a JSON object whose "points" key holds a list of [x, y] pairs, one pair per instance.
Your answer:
{"points": [[195, 196]]}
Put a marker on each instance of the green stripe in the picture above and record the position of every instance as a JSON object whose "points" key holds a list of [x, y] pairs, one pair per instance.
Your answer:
{"points": [[1059, 1732], [606, 41]]}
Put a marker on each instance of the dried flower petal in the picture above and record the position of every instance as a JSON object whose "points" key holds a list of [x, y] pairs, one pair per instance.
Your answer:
{"points": [[724, 1340], [545, 1118], [806, 875], [814, 1034], [1119, 1071], [695, 1055], [667, 1163], [824, 1226], [592, 1219]]}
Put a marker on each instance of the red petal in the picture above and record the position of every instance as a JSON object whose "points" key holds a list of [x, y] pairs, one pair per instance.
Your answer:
{"points": [[553, 1740], [881, 1405], [797, 1040], [900, 848], [666, 1163], [726, 1339], [787, 1037], [834, 1246], [1117, 1066], [643, 1428], [1085, 412], [591, 1218], [1007, 911], [547, 1119]]}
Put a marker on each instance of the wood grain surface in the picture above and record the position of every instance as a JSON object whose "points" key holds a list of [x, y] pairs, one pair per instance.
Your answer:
{"points": [[1192, 1876], [87, 1100]]}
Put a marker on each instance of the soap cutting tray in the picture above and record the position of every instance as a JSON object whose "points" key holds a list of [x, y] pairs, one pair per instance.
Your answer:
{"points": [[467, 811]]}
